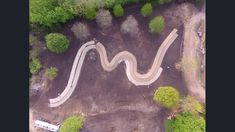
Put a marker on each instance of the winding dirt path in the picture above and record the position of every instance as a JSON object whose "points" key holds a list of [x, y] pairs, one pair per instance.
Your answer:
{"points": [[131, 66], [190, 61]]}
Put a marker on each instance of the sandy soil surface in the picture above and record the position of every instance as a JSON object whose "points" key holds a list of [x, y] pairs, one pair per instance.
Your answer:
{"points": [[109, 102]]}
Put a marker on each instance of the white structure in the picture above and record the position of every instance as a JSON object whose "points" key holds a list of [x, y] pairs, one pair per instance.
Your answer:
{"points": [[47, 126]]}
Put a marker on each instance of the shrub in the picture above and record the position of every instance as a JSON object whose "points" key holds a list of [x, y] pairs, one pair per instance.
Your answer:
{"points": [[187, 122], [130, 26], [161, 2], [81, 31], [90, 13], [157, 24], [32, 39], [109, 3], [51, 73], [34, 65], [72, 124], [167, 96], [118, 10], [146, 10], [104, 18], [56, 42], [190, 104]]}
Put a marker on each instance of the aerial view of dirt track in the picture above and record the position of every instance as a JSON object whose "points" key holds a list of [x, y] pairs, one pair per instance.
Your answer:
{"points": [[117, 66]]}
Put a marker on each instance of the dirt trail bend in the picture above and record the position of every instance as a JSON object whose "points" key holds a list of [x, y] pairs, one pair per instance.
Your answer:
{"points": [[131, 66], [190, 61]]}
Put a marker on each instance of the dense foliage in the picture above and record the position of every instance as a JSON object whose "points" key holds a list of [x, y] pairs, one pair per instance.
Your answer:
{"points": [[81, 31], [190, 104], [56, 42], [109, 3], [157, 24], [34, 65], [186, 122], [90, 14], [104, 18], [51, 73], [118, 10], [48, 12], [146, 10], [167, 96], [130, 26], [72, 124]]}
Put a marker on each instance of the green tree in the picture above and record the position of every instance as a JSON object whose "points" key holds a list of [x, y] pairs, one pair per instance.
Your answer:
{"points": [[157, 24], [56, 42], [109, 3], [146, 10], [90, 13], [72, 124], [34, 65], [51, 73], [167, 96], [118, 10], [186, 122]]}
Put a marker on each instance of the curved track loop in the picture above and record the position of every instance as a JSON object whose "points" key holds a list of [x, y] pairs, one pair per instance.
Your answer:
{"points": [[129, 59]]}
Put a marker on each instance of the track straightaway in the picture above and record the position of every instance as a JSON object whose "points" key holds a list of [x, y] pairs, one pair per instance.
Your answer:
{"points": [[131, 66]]}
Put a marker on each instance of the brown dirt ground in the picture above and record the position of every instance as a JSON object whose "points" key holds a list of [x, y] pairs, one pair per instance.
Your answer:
{"points": [[109, 102]]}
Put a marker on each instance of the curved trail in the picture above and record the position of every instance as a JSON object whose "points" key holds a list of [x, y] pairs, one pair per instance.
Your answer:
{"points": [[129, 59]]}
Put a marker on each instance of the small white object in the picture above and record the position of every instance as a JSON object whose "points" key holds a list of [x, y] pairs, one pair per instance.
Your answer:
{"points": [[168, 67], [46, 126]]}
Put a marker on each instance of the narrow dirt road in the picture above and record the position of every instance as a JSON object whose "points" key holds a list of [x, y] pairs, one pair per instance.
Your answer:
{"points": [[190, 61]]}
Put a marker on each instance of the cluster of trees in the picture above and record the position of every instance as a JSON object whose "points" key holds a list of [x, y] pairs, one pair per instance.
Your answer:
{"points": [[189, 111], [47, 13]]}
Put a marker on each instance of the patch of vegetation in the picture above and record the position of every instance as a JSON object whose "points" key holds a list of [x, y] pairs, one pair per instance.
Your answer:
{"points": [[34, 65], [130, 26], [72, 124], [51, 73], [157, 24], [118, 10], [47, 13], [109, 3], [167, 96], [56, 42], [81, 31], [104, 18], [146, 10], [191, 105], [186, 122], [32, 40], [90, 14], [161, 2]]}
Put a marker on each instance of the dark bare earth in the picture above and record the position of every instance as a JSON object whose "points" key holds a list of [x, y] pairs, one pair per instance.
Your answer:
{"points": [[109, 102]]}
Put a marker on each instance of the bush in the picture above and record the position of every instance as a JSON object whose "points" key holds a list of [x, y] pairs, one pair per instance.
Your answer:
{"points": [[90, 13], [146, 10], [167, 96], [72, 124], [51, 73], [81, 31], [190, 104], [34, 65], [118, 10], [104, 18], [161, 2], [32, 40], [109, 3], [56, 42], [157, 24], [186, 122], [130, 26]]}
